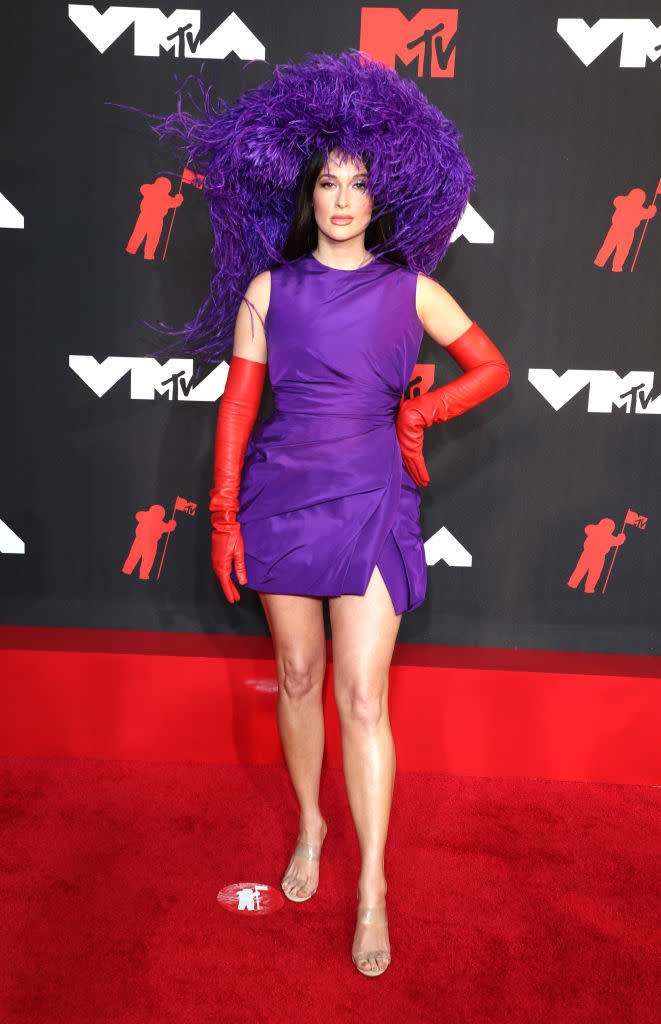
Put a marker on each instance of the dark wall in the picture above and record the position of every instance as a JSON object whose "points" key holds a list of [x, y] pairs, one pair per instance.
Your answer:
{"points": [[553, 141]]}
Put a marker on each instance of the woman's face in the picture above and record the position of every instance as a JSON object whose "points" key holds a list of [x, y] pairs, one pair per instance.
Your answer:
{"points": [[342, 204]]}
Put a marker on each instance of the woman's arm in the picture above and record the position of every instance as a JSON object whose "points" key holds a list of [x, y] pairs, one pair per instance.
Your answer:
{"points": [[442, 318], [237, 413], [249, 336], [485, 373]]}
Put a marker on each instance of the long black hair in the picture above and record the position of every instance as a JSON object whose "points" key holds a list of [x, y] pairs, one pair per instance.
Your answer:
{"points": [[303, 234]]}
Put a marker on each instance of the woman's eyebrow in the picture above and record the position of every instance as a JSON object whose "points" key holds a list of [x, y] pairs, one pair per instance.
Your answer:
{"points": [[361, 174]]}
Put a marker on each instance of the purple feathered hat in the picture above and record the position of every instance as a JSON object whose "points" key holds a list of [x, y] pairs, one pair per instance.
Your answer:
{"points": [[254, 153]]}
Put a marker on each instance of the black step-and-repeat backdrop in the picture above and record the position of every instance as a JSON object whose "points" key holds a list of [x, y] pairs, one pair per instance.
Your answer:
{"points": [[542, 519]]}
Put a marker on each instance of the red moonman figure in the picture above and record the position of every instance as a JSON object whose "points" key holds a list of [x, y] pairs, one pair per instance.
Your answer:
{"points": [[155, 204], [598, 542], [630, 210], [148, 532]]}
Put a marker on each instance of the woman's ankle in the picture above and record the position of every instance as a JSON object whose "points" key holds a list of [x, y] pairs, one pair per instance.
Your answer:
{"points": [[372, 889], [312, 827]]}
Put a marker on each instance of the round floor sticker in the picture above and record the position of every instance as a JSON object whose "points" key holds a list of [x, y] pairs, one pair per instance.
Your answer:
{"points": [[251, 898]]}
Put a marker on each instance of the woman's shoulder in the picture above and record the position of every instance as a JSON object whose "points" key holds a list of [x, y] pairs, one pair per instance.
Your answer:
{"points": [[260, 282], [259, 286], [258, 292]]}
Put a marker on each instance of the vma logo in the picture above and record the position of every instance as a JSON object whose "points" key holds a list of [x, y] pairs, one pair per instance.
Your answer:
{"points": [[641, 39], [10, 542], [426, 42], [149, 378], [474, 228], [10, 217], [442, 546], [178, 33], [606, 389]]}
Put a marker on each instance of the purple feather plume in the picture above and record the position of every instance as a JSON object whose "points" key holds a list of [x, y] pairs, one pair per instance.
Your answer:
{"points": [[253, 154]]}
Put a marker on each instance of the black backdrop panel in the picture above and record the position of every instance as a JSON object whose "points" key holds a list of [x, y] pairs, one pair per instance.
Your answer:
{"points": [[93, 433]]}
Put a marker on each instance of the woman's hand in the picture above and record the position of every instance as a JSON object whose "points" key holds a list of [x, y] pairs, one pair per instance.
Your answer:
{"points": [[227, 548], [485, 373], [410, 433]]}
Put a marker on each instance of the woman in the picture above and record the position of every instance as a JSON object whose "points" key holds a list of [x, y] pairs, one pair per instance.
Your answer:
{"points": [[322, 501]]}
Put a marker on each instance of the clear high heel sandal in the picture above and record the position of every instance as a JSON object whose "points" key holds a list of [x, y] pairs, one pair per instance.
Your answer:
{"points": [[371, 915], [308, 852]]}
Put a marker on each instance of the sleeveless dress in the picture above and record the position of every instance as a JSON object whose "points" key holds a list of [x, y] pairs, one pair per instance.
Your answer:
{"points": [[324, 495]]}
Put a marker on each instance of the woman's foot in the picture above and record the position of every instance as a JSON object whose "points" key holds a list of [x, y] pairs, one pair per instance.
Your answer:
{"points": [[371, 945], [302, 876]]}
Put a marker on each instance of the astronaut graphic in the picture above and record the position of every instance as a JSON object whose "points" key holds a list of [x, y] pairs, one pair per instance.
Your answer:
{"points": [[250, 897], [630, 211], [155, 204], [151, 527], [599, 540]]}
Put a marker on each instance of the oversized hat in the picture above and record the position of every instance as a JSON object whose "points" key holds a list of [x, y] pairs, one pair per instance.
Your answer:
{"points": [[254, 152]]}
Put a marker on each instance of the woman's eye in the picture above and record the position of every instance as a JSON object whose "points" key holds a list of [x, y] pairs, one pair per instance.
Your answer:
{"points": [[330, 184]]}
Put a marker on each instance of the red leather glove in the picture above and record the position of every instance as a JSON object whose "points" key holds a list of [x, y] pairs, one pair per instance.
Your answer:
{"points": [[236, 417], [486, 373]]}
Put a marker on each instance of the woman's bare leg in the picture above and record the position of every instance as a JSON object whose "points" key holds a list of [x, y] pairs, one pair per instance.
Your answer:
{"points": [[297, 629], [364, 633]]}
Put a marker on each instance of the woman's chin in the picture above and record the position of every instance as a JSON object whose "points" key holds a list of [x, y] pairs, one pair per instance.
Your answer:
{"points": [[336, 233]]}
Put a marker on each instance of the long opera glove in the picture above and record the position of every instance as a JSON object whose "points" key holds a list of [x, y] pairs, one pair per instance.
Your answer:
{"points": [[237, 413], [485, 373]]}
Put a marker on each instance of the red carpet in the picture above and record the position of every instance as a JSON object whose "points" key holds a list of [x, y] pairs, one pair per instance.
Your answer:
{"points": [[510, 900]]}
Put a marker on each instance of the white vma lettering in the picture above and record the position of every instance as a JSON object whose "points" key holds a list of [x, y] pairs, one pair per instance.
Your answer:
{"points": [[641, 39], [178, 32], [149, 378], [442, 546], [10, 542], [10, 217], [607, 390], [474, 228]]}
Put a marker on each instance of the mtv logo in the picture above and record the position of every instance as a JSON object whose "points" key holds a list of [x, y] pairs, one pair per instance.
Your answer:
{"points": [[425, 42]]}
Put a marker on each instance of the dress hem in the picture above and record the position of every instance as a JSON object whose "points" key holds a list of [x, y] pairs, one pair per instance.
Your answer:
{"points": [[342, 593]]}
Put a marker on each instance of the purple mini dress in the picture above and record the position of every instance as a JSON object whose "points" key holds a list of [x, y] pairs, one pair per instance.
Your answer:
{"points": [[324, 494]]}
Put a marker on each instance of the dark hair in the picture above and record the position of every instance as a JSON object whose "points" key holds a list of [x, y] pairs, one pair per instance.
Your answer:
{"points": [[303, 234]]}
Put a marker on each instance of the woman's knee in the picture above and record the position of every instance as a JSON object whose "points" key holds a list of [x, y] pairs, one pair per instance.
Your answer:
{"points": [[361, 702], [300, 676]]}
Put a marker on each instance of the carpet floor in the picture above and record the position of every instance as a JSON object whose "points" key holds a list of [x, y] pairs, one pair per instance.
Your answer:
{"points": [[510, 901]]}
